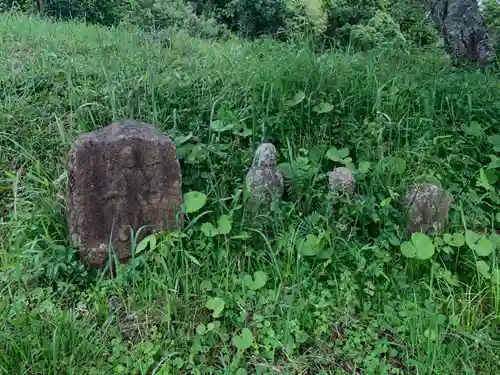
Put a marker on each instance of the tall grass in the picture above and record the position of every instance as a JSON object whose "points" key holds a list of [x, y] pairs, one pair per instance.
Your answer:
{"points": [[361, 306]]}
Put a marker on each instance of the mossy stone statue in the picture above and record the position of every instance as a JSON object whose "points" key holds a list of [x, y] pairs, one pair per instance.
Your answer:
{"points": [[264, 181]]}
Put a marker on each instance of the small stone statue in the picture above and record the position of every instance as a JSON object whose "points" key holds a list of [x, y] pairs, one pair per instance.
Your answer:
{"points": [[342, 181], [426, 206], [264, 180]]}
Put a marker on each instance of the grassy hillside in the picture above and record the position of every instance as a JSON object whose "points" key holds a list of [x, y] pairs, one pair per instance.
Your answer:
{"points": [[189, 306]]}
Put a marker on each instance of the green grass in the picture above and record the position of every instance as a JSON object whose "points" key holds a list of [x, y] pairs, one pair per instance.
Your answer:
{"points": [[249, 300]]}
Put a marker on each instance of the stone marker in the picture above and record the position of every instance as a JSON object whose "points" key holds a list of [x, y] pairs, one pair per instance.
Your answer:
{"points": [[264, 180], [125, 175], [426, 206], [342, 181]]}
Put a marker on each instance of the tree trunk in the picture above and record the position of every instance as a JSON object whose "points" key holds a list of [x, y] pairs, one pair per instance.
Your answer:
{"points": [[39, 5], [462, 27]]}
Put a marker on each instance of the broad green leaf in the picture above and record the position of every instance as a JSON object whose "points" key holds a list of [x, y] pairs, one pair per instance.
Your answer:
{"points": [[348, 164], [456, 239], [479, 243], [148, 241], [142, 246], [310, 246], [386, 202], [495, 160], [243, 341], [206, 285], [286, 170], [492, 176], [248, 281], [301, 337], [394, 241], [430, 334], [152, 241], [495, 142], [482, 181], [483, 268], [215, 304], [447, 250], [323, 108], [450, 278], [474, 129], [193, 201], [220, 126], [423, 244], [364, 167], [395, 164], [316, 153], [297, 99], [326, 253], [198, 153], [337, 154], [183, 151], [447, 238], [497, 217], [179, 140], [471, 238], [224, 224], [393, 90], [243, 133], [438, 242], [495, 238], [260, 279], [176, 234], [201, 329], [408, 249], [209, 230], [484, 247]]}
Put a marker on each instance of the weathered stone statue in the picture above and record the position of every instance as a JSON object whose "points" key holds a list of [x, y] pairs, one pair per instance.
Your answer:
{"points": [[426, 207], [342, 181], [122, 177], [462, 26], [264, 180]]}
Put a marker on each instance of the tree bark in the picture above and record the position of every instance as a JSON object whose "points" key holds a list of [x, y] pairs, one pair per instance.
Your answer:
{"points": [[462, 27]]}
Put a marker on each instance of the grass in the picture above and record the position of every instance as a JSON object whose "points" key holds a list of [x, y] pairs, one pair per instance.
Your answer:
{"points": [[250, 300]]}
